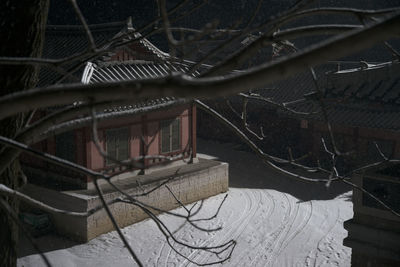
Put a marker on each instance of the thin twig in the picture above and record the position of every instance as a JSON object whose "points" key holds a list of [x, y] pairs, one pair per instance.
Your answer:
{"points": [[177, 85], [115, 224], [82, 19]]}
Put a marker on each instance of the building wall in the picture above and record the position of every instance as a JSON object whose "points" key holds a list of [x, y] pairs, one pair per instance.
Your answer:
{"points": [[355, 138], [124, 54], [136, 131], [374, 232], [42, 172], [153, 137], [86, 153], [280, 132], [147, 126], [34, 161], [80, 148]]}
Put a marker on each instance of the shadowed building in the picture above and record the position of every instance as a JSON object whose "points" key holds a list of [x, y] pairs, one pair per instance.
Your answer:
{"points": [[157, 136]]}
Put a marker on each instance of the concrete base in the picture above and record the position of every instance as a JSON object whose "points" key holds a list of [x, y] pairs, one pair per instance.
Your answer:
{"points": [[189, 183], [138, 173], [372, 246], [374, 232]]}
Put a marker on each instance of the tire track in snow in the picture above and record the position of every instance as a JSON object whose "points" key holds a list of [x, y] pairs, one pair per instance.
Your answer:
{"points": [[324, 237], [237, 231], [187, 231], [160, 254], [284, 232], [190, 230], [234, 230], [271, 204], [324, 228], [181, 235], [275, 234], [294, 234]]}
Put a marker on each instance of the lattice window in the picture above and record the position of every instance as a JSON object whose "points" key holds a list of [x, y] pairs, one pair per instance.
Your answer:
{"points": [[117, 144], [170, 135]]}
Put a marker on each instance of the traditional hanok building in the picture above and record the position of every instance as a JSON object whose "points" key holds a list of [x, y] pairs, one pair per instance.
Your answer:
{"points": [[363, 108], [362, 103], [160, 130], [167, 133], [372, 120], [160, 133]]}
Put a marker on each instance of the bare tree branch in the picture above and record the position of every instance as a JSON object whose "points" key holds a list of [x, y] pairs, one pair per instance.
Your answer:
{"points": [[177, 85], [14, 216], [114, 222], [373, 197], [236, 59], [269, 159], [59, 122], [78, 12]]}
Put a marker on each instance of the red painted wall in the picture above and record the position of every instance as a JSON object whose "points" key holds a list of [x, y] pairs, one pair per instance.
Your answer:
{"points": [[152, 137], [123, 54], [359, 135], [136, 132], [147, 125]]}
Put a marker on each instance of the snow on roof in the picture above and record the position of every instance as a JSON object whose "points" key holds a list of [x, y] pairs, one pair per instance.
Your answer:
{"points": [[63, 41], [114, 71], [130, 70], [365, 67], [378, 83]]}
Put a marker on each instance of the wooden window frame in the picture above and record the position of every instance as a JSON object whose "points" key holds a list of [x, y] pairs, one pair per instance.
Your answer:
{"points": [[106, 144], [170, 123]]}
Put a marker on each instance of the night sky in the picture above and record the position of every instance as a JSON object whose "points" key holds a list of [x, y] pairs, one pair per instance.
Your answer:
{"points": [[142, 11], [225, 12]]}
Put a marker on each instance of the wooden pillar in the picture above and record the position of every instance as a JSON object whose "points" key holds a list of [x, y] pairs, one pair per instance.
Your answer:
{"points": [[88, 149], [143, 140], [193, 129]]}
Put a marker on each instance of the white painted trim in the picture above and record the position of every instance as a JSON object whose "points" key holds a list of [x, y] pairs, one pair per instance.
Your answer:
{"points": [[88, 72]]}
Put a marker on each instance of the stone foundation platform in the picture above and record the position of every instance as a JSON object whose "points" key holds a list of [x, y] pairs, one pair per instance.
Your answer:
{"points": [[189, 183]]}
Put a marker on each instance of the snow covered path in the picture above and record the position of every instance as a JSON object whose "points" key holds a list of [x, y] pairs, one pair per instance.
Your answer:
{"points": [[271, 228]]}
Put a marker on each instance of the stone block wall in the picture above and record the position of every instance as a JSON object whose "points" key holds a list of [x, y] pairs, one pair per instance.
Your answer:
{"points": [[187, 188], [191, 186]]}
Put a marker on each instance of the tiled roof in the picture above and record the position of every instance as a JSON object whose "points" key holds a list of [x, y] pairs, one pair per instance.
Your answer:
{"points": [[367, 96], [300, 84], [66, 40], [168, 101], [356, 97], [62, 41], [374, 83], [113, 71], [130, 70]]}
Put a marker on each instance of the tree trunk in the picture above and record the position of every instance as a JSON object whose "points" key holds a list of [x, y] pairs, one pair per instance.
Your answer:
{"points": [[22, 28]]}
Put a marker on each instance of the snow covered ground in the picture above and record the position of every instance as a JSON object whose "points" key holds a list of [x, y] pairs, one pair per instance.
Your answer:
{"points": [[276, 222]]}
